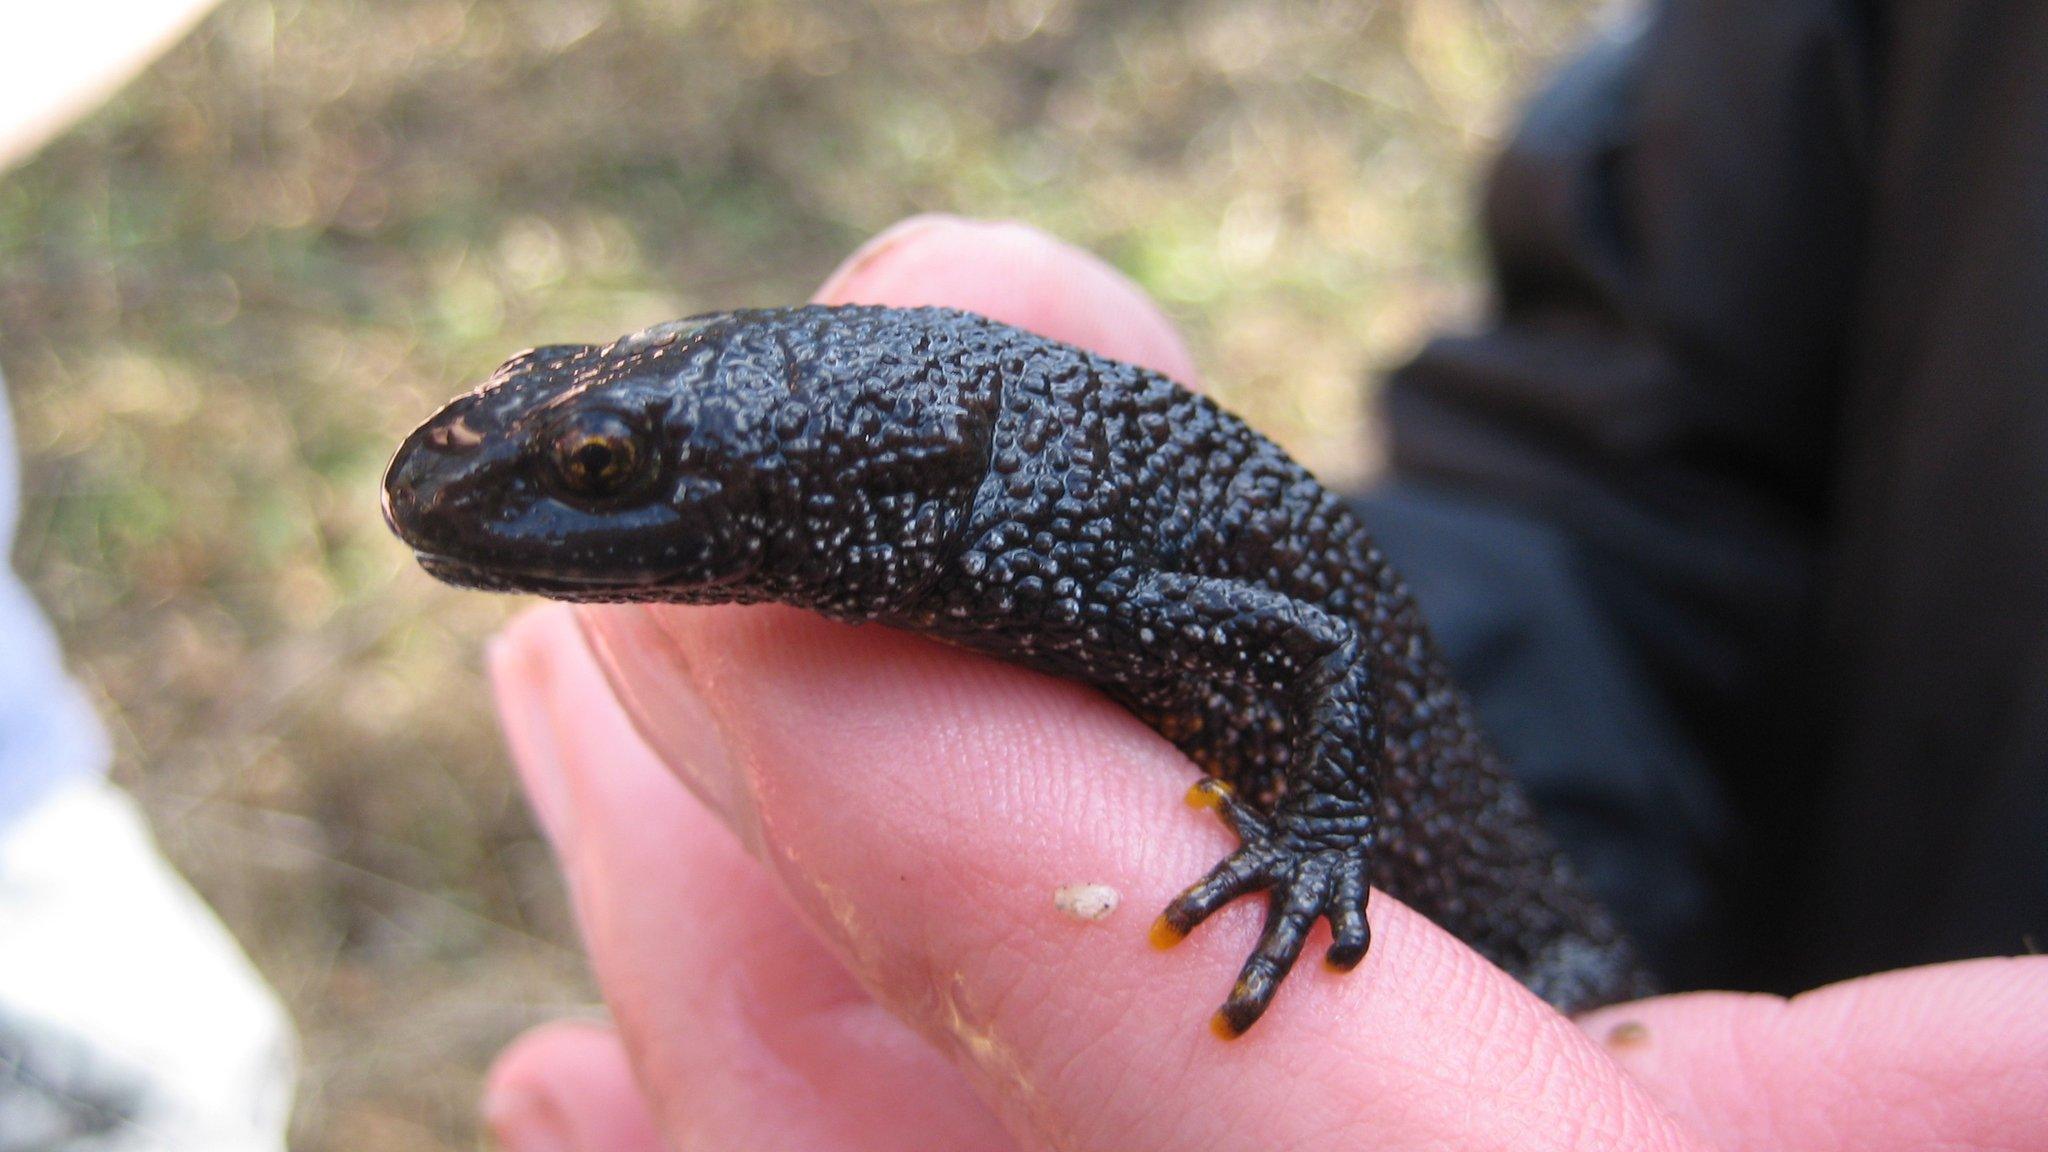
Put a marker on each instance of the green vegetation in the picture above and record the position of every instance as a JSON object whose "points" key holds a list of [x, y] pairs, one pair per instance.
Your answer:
{"points": [[224, 298]]}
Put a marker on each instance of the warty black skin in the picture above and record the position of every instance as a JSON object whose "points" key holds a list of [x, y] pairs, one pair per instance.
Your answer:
{"points": [[936, 471]]}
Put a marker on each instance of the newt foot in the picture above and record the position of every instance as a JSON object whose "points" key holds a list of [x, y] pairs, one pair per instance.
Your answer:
{"points": [[1308, 878]]}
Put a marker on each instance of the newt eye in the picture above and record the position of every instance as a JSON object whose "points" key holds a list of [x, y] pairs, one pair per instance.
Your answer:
{"points": [[596, 455]]}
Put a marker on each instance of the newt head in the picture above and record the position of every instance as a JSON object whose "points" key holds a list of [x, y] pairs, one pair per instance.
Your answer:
{"points": [[589, 473], [727, 457]]}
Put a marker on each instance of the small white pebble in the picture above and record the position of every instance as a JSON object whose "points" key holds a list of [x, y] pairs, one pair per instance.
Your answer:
{"points": [[1085, 901]]}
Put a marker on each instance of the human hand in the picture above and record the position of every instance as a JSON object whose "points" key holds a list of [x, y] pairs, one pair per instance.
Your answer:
{"points": [[815, 884]]}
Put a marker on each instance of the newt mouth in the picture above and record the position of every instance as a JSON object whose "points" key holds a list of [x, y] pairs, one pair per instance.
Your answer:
{"points": [[565, 586], [463, 574]]}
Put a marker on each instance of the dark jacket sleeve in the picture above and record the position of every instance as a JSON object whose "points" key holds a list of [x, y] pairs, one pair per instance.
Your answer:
{"points": [[1610, 499]]}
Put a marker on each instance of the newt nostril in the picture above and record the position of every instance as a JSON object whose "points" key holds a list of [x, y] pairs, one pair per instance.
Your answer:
{"points": [[400, 501], [414, 483], [454, 436]]}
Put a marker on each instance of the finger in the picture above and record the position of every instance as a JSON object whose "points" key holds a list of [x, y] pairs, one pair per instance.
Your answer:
{"points": [[568, 1088], [1018, 275], [1953, 1056], [921, 805], [747, 1033]]}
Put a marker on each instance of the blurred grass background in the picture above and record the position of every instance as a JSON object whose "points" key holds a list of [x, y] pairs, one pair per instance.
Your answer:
{"points": [[225, 297]]}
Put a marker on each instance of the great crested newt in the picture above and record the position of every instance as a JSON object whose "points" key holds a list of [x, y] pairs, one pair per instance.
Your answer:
{"points": [[936, 471]]}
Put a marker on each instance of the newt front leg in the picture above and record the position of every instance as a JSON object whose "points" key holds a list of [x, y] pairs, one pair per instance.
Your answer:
{"points": [[1312, 851]]}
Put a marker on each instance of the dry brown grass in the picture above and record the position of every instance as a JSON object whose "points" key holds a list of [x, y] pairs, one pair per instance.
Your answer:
{"points": [[224, 298]]}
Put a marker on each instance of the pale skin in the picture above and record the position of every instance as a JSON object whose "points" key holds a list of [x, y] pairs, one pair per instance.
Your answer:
{"points": [[813, 866]]}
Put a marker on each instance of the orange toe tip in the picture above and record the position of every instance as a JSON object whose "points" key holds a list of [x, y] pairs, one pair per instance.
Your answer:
{"points": [[1223, 1028], [1165, 935], [1208, 794]]}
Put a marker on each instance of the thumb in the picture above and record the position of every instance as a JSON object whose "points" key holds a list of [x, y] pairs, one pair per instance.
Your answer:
{"points": [[1948, 1056]]}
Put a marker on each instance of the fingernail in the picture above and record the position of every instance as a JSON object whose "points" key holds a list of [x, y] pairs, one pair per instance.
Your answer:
{"points": [[523, 1121], [835, 289], [651, 672]]}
